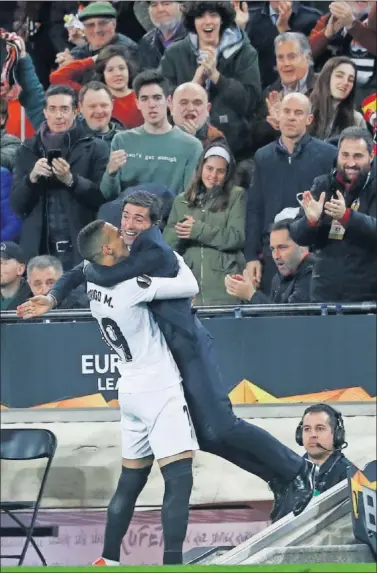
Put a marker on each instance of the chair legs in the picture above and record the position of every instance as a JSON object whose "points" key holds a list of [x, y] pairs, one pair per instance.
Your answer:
{"points": [[29, 539]]}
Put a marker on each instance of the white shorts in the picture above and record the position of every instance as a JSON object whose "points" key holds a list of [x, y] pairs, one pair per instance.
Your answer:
{"points": [[156, 423]]}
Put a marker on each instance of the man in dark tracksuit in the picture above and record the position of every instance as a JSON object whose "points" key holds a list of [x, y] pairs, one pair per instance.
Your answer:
{"points": [[218, 430]]}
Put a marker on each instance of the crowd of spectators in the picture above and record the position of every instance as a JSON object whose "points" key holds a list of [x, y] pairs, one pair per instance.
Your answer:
{"points": [[254, 121]]}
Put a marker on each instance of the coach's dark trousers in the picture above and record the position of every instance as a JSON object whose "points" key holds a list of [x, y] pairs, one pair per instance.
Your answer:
{"points": [[218, 429]]}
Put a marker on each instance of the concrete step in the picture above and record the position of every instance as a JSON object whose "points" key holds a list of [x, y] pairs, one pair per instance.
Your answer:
{"points": [[358, 553]]}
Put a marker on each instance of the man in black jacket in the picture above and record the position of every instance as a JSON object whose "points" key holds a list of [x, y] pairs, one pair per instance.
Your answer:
{"points": [[56, 180], [96, 107], [291, 284], [283, 169], [321, 431], [338, 221]]}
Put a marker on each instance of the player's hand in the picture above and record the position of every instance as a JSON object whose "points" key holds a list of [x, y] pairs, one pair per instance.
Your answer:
{"points": [[255, 269], [240, 286], [36, 306], [184, 228], [62, 170], [336, 208], [313, 209], [40, 169], [117, 160]]}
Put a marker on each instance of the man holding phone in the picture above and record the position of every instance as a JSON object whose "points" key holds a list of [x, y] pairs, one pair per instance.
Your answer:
{"points": [[56, 180]]}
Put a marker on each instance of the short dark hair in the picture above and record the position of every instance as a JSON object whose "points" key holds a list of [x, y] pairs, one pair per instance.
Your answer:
{"points": [[194, 9], [61, 90], [326, 409], [283, 225], [96, 87], [90, 240], [357, 133], [148, 200], [110, 52], [149, 77]]}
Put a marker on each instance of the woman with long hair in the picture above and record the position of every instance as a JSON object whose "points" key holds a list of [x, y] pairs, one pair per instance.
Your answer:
{"points": [[114, 67], [333, 99], [207, 224]]}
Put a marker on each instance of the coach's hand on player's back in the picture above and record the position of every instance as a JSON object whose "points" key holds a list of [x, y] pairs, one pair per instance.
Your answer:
{"points": [[35, 306], [117, 160]]}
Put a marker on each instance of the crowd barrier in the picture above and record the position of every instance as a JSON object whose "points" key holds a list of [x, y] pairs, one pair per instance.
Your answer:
{"points": [[285, 350]]}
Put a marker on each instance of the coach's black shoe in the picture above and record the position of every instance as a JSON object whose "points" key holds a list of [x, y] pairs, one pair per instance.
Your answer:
{"points": [[279, 489], [303, 487]]}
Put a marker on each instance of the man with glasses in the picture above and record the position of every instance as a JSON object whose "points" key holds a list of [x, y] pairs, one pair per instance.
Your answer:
{"points": [[99, 19], [56, 181]]}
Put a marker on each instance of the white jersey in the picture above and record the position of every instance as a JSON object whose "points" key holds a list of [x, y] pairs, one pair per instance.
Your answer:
{"points": [[146, 363]]}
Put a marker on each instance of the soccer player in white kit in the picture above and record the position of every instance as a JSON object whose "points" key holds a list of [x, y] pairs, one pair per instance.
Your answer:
{"points": [[155, 421]]}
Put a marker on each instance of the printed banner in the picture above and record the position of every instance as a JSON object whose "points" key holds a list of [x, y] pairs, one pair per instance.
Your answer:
{"points": [[285, 359]]}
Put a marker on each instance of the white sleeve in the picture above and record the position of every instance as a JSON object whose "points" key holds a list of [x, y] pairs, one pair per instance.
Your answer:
{"points": [[145, 289], [184, 285]]}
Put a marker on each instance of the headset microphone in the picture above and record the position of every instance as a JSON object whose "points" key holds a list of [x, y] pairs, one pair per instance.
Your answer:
{"points": [[334, 450]]}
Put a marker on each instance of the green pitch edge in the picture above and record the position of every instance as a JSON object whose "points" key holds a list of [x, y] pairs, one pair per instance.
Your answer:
{"points": [[310, 568]]}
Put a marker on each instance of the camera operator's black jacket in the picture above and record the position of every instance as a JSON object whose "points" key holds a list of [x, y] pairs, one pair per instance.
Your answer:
{"points": [[344, 270]]}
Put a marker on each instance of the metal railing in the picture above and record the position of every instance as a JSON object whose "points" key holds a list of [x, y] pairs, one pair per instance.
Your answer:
{"points": [[313, 309]]}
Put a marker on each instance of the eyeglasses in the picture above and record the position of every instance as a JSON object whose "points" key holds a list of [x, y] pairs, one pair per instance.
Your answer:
{"points": [[97, 24]]}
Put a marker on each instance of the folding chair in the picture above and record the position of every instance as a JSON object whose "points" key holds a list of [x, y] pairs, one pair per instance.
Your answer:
{"points": [[27, 444]]}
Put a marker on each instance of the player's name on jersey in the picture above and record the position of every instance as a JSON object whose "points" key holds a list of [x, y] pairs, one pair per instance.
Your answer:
{"points": [[99, 296]]}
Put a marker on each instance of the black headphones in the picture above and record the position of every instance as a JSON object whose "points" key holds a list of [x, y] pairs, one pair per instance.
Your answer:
{"points": [[339, 431]]}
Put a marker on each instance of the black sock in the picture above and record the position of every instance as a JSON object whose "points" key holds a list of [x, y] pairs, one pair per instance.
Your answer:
{"points": [[175, 508], [121, 509]]}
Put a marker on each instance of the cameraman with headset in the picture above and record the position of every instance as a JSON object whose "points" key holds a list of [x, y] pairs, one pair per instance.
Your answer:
{"points": [[338, 220], [321, 432]]}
